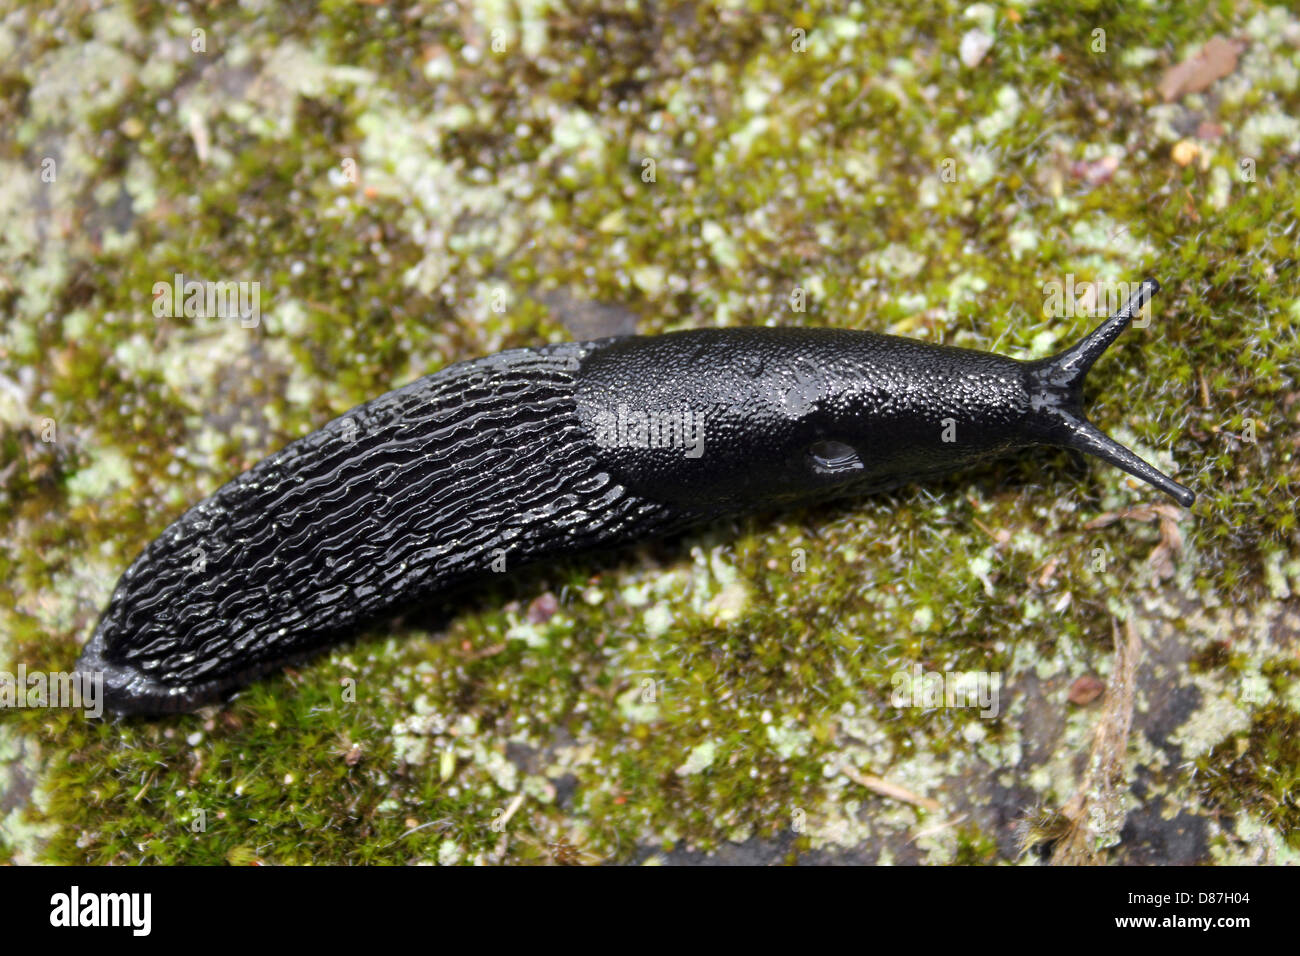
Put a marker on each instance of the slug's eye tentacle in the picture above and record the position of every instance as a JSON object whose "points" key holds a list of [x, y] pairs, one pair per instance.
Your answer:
{"points": [[1056, 395], [1086, 437], [1075, 361]]}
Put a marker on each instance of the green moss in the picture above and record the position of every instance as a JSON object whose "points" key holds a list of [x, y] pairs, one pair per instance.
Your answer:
{"points": [[1258, 772]]}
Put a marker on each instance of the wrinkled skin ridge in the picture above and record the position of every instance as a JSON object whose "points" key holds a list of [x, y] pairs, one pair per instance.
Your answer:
{"points": [[480, 465]]}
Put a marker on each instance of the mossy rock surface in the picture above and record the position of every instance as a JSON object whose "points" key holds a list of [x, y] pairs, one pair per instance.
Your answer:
{"points": [[412, 185]]}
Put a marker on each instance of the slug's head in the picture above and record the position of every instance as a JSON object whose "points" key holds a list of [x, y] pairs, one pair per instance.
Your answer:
{"points": [[989, 403], [1056, 400], [723, 419], [729, 419]]}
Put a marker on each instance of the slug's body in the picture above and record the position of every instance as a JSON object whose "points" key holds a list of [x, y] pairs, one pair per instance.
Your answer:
{"points": [[529, 453]]}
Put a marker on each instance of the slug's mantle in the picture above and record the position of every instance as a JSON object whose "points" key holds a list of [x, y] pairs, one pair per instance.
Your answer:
{"points": [[535, 452]]}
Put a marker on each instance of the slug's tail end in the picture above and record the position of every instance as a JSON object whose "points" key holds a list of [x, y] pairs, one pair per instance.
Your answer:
{"points": [[123, 689], [1057, 394]]}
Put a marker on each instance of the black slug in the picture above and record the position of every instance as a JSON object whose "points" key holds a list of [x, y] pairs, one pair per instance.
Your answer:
{"points": [[503, 460]]}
